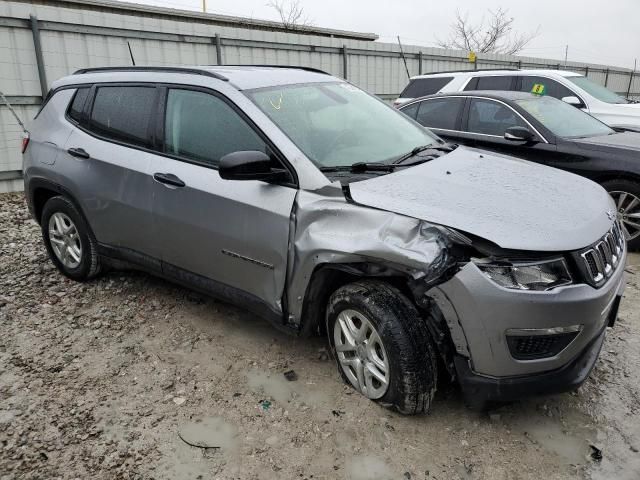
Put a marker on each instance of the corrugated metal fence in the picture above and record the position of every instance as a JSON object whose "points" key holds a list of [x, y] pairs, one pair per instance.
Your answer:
{"points": [[44, 40]]}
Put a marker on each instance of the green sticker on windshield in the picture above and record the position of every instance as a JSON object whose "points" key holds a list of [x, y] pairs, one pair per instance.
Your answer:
{"points": [[538, 89]]}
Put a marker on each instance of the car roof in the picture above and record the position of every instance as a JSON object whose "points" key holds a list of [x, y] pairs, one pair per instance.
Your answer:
{"points": [[504, 95], [499, 72], [242, 77]]}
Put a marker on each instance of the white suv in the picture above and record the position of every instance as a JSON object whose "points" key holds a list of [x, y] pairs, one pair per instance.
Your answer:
{"points": [[571, 87]]}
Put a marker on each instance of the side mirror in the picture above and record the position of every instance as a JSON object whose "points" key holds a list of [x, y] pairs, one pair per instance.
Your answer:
{"points": [[519, 134], [249, 165], [573, 100]]}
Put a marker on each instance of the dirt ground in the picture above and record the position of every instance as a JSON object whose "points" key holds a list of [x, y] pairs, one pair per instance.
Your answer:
{"points": [[111, 379]]}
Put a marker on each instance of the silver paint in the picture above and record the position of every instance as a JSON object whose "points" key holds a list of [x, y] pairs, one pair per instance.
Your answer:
{"points": [[514, 203]]}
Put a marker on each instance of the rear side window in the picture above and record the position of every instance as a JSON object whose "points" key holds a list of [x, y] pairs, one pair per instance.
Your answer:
{"points": [[123, 113], [420, 87], [499, 82], [203, 128], [440, 113], [491, 118], [551, 87], [76, 109], [411, 111]]}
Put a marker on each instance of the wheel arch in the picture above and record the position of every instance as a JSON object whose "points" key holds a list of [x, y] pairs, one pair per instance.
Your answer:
{"points": [[42, 190], [327, 278], [616, 175]]}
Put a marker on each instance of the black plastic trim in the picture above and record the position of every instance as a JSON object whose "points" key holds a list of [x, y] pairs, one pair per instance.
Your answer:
{"points": [[480, 391]]}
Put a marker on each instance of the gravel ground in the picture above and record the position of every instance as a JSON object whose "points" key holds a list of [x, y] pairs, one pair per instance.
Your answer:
{"points": [[114, 378]]}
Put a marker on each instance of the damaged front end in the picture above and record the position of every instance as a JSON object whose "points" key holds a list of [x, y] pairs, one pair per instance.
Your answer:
{"points": [[337, 241]]}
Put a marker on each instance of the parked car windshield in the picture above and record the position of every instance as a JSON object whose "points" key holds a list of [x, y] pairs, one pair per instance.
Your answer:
{"points": [[337, 124], [597, 91], [563, 119]]}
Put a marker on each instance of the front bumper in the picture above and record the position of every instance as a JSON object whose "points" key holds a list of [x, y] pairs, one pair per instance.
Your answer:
{"points": [[479, 391], [479, 313]]}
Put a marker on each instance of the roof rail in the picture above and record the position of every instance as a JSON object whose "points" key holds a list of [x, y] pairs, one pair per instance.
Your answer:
{"points": [[297, 67], [194, 71], [472, 71]]}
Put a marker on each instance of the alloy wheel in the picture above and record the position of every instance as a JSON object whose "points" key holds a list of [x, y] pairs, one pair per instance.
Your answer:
{"points": [[628, 212], [65, 240], [361, 353]]}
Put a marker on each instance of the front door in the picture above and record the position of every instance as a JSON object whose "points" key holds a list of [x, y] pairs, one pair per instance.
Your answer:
{"points": [[232, 233]]}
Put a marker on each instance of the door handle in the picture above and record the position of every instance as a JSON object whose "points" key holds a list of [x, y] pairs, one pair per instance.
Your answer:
{"points": [[168, 179], [78, 152]]}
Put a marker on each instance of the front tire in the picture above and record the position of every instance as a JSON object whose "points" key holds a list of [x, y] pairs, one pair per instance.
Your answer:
{"points": [[69, 240], [626, 194], [382, 346]]}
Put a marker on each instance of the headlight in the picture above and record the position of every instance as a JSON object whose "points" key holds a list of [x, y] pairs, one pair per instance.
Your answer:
{"points": [[528, 276]]}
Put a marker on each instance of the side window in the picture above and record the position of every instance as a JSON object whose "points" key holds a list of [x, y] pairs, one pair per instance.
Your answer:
{"points": [[489, 117], [77, 104], [411, 110], [440, 113], [551, 87], [123, 113], [204, 128], [420, 87], [499, 82]]}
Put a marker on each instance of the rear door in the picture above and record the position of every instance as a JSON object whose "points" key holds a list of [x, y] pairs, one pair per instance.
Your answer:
{"points": [[111, 156], [442, 116], [219, 232]]}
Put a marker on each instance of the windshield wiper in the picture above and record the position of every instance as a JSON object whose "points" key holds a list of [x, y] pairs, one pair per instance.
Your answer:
{"points": [[359, 167], [444, 148]]}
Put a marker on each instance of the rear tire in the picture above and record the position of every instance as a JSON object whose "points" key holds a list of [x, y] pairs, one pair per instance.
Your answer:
{"points": [[397, 338], [626, 194], [69, 240]]}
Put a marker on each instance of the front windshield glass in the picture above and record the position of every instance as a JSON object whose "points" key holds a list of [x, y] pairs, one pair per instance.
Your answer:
{"points": [[597, 91], [563, 119], [337, 124]]}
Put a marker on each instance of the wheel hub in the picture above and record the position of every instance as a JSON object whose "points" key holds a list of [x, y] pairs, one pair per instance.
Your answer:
{"points": [[65, 240], [361, 353]]}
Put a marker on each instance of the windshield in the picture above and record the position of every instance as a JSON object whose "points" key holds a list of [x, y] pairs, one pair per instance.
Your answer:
{"points": [[597, 91], [337, 124], [563, 119]]}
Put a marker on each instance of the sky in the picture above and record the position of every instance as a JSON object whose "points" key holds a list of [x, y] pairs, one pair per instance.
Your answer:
{"points": [[595, 32]]}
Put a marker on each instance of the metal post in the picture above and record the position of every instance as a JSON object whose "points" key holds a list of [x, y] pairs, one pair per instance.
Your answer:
{"points": [[606, 78], [586, 71], [419, 63], [218, 49], [35, 31], [630, 83], [345, 66]]}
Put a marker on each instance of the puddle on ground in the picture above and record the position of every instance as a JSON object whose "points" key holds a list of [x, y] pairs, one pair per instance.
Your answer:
{"points": [[368, 467], [276, 386], [568, 437], [210, 432]]}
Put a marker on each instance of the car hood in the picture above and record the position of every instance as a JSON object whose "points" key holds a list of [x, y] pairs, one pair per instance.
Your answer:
{"points": [[513, 203], [624, 141]]}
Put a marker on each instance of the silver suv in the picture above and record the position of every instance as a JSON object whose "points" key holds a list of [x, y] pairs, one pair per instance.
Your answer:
{"points": [[313, 204]]}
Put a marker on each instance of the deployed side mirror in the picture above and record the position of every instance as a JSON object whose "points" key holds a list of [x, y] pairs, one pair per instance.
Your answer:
{"points": [[519, 134], [250, 165], [573, 100]]}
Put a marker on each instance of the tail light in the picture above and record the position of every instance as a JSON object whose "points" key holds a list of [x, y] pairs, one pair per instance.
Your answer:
{"points": [[25, 142]]}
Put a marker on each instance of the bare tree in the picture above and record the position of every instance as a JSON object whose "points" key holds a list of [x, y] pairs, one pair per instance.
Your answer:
{"points": [[493, 36], [291, 13]]}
